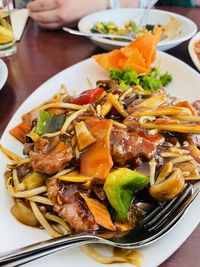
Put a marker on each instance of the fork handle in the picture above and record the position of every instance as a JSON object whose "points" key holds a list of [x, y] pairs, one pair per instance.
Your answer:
{"points": [[35, 251]]}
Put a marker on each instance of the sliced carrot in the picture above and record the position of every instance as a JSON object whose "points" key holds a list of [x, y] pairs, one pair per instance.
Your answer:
{"points": [[186, 104], [19, 132], [100, 213], [138, 55], [110, 60], [96, 161]]}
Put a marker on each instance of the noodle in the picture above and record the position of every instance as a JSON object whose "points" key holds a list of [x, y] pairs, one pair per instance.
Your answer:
{"points": [[118, 256], [43, 221], [58, 220], [40, 199], [28, 193], [72, 118]]}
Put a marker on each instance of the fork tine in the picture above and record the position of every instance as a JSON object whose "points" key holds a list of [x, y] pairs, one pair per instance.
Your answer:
{"points": [[162, 208], [169, 208], [171, 217]]}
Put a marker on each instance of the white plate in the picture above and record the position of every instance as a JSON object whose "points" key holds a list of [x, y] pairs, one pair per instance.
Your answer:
{"points": [[14, 235], [119, 16], [3, 73], [192, 53]]}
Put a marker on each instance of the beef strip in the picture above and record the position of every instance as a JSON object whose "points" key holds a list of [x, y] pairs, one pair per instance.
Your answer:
{"points": [[50, 156], [126, 146], [70, 206]]}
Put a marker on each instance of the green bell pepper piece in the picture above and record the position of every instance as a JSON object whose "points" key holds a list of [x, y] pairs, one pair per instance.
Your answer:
{"points": [[47, 123], [120, 188]]}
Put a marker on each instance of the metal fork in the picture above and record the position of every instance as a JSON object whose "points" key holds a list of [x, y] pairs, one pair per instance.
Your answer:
{"points": [[130, 37], [152, 227]]}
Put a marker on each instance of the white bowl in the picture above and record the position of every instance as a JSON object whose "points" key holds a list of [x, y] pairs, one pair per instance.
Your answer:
{"points": [[192, 53], [3, 73], [119, 16]]}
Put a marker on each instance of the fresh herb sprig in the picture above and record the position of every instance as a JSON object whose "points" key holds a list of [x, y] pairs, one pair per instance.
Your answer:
{"points": [[152, 81]]}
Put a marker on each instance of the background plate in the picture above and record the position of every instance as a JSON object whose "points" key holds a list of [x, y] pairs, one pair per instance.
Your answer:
{"points": [[119, 16]]}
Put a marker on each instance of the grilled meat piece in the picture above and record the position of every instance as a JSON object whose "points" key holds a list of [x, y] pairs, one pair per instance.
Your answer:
{"points": [[50, 156], [126, 146], [70, 206]]}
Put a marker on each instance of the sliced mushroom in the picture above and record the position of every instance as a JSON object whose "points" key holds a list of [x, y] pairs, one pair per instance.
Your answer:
{"points": [[24, 214], [168, 188]]}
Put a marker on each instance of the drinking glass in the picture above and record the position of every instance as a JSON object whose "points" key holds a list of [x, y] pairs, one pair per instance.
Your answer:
{"points": [[7, 38]]}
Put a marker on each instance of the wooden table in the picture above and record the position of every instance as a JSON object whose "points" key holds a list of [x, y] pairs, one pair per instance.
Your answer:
{"points": [[41, 54]]}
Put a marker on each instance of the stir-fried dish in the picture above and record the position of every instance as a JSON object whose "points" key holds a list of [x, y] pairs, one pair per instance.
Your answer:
{"points": [[88, 160]]}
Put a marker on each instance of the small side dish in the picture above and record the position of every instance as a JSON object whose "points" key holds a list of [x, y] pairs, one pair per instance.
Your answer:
{"points": [[177, 28], [194, 50]]}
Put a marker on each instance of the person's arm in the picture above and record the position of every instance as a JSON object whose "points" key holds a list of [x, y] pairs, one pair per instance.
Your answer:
{"points": [[53, 14]]}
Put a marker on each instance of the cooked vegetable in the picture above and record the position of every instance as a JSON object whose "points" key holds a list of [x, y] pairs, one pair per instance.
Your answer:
{"points": [[154, 101], [169, 188], [84, 137], [33, 180], [186, 104], [195, 153], [88, 96], [121, 186], [100, 213], [96, 161], [163, 111], [117, 105], [24, 214], [19, 132], [137, 56], [11, 155], [47, 123], [111, 27], [74, 177], [180, 128]]}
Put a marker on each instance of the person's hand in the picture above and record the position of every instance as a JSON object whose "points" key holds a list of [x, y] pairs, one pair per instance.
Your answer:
{"points": [[53, 14]]}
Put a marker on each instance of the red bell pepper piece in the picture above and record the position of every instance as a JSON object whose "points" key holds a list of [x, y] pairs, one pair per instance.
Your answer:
{"points": [[88, 96]]}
